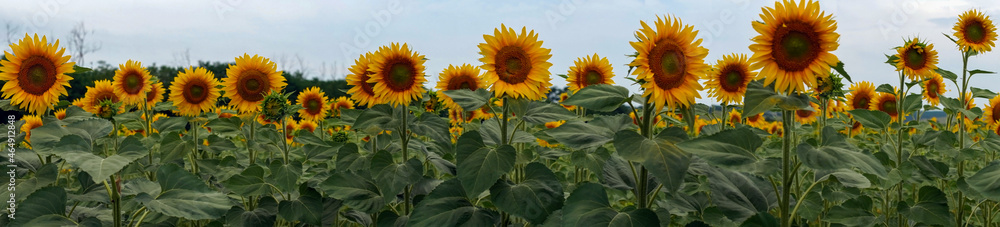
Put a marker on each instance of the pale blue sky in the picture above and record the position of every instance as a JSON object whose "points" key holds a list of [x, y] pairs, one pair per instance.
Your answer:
{"points": [[332, 33]]}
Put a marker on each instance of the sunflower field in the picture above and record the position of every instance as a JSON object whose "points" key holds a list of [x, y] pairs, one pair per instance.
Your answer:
{"points": [[796, 142]]}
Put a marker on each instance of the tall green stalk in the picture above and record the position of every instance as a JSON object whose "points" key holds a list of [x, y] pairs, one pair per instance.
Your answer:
{"points": [[786, 150], [899, 143], [404, 138], [961, 134]]}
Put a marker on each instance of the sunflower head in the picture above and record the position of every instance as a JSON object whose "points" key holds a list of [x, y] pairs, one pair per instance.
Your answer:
{"points": [[155, 94], [313, 102], [992, 112], [933, 89], [861, 96], [60, 114], [670, 60], [916, 59], [431, 105], [132, 82], [100, 92], [307, 125], [756, 120], [35, 74], [107, 109], [794, 45], [248, 81], [829, 85], [975, 31], [274, 106], [398, 74], [194, 91], [554, 124], [361, 90], [734, 117], [588, 71], [562, 98], [516, 64], [465, 76], [30, 122], [340, 104], [807, 116], [728, 79], [886, 102]]}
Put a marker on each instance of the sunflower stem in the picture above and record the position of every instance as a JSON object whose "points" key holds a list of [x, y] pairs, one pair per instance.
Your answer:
{"points": [[901, 118], [194, 135], [786, 149], [960, 210], [250, 151], [503, 122], [284, 131], [404, 138]]}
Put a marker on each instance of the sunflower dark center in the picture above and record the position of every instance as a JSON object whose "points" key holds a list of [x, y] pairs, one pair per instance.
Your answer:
{"points": [[366, 86], [889, 107], [400, 75], [252, 85], [133, 83], [512, 65], [195, 92], [975, 32], [732, 79], [996, 113], [37, 75], [462, 82], [592, 77], [151, 94], [668, 65], [313, 105], [915, 57], [861, 101], [796, 46], [932, 90], [803, 113], [753, 118]]}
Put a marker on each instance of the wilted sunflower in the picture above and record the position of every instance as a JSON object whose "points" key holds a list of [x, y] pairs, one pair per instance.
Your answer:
{"points": [[35, 74], [132, 82], [313, 102], [975, 31], [398, 74], [30, 122], [102, 90], [562, 98], [992, 111], [670, 60], [794, 45], [917, 60], [361, 90], [861, 96], [933, 89], [339, 104], [886, 102], [587, 71], [194, 91], [728, 79], [454, 78], [248, 81], [516, 64], [807, 116]]}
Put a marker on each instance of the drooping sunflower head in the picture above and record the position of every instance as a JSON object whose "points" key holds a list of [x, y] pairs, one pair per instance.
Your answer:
{"points": [[886, 102], [155, 94], [339, 104], [516, 64], [670, 62], [251, 79], [35, 74], [807, 116], [916, 59], [589, 70], [975, 31], [728, 79], [454, 78], [861, 96], [562, 98], [992, 112], [398, 74], [361, 90], [101, 91], [194, 91], [313, 102], [933, 89], [132, 82], [794, 45]]}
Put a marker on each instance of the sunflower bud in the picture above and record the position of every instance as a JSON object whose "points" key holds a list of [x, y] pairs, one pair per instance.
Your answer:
{"points": [[274, 107]]}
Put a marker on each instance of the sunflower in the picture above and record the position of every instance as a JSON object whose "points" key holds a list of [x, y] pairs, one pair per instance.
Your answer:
{"points": [[224, 112], [35, 74], [248, 81], [516, 64], [263, 120], [856, 128], [996, 129], [155, 94], [454, 78], [361, 91], [398, 74], [775, 128], [969, 101], [313, 102], [562, 98], [794, 45], [30, 122], [131, 82], [734, 117], [60, 114], [290, 127], [975, 31], [933, 89], [339, 104], [917, 60], [807, 116], [861, 96], [102, 90], [992, 111], [543, 143], [886, 102], [587, 71], [554, 124], [756, 120], [307, 125], [728, 80], [670, 61], [194, 90]]}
